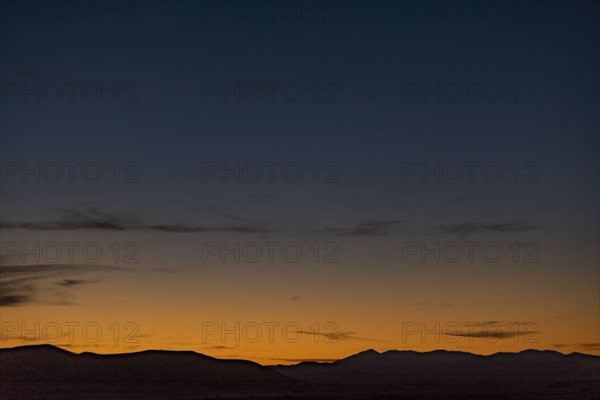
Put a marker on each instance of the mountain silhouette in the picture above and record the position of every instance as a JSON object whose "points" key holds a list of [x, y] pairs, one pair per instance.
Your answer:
{"points": [[49, 372], [401, 367]]}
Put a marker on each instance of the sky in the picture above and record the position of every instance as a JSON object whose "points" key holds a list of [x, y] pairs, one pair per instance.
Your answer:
{"points": [[288, 181]]}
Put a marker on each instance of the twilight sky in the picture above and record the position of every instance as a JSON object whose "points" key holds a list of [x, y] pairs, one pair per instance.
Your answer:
{"points": [[281, 181]]}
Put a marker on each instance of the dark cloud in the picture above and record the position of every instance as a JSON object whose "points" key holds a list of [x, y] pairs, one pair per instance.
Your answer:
{"points": [[220, 347], [9, 300], [366, 228], [429, 304], [587, 346], [17, 291], [25, 72], [299, 360], [52, 269], [489, 334], [336, 336], [37, 283], [221, 210], [475, 227], [181, 228], [74, 282], [94, 219]]}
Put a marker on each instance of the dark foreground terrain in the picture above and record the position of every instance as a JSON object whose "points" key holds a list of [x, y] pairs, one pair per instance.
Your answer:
{"points": [[47, 372]]}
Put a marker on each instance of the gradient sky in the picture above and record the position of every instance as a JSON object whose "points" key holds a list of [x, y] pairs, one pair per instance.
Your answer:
{"points": [[363, 136]]}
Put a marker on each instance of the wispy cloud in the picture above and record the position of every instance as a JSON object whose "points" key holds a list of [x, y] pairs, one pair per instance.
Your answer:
{"points": [[44, 283], [74, 282], [587, 346], [366, 228], [299, 360], [337, 336], [95, 219], [486, 335], [25, 72], [477, 227], [222, 210], [11, 300], [220, 347], [489, 334]]}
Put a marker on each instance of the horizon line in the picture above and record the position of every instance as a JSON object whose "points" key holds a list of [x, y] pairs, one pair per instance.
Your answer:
{"points": [[308, 360]]}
